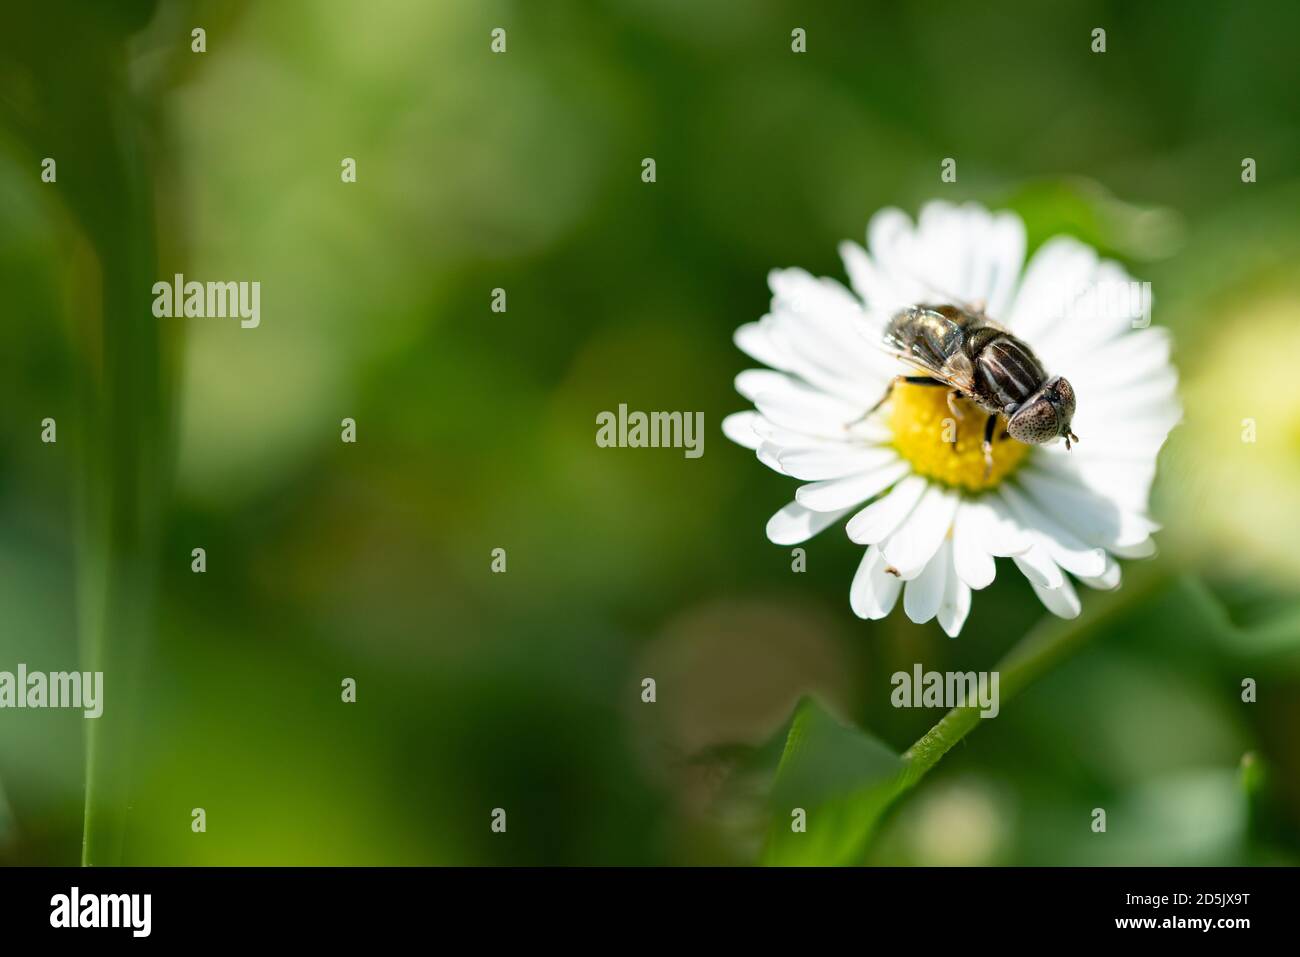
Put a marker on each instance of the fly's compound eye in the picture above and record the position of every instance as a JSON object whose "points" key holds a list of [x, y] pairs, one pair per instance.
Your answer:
{"points": [[1035, 422], [1064, 395]]}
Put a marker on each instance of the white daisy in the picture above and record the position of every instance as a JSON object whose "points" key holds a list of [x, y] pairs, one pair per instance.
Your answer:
{"points": [[932, 516]]}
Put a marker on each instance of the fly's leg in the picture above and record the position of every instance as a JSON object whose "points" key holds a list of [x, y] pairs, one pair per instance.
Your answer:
{"points": [[889, 390], [957, 416], [989, 426]]}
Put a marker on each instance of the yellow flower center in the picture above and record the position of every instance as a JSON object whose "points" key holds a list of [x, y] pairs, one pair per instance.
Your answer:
{"points": [[924, 429]]}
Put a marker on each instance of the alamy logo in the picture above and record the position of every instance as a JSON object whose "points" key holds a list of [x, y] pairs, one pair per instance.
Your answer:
{"points": [[55, 689], [212, 300], [1105, 301], [654, 430], [951, 689], [103, 910]]}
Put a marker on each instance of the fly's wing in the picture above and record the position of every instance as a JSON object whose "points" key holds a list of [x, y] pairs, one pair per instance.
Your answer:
{"points": [[930, 341]]}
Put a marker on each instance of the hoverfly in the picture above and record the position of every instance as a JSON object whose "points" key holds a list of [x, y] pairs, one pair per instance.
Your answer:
{"points": [[978, 360]]}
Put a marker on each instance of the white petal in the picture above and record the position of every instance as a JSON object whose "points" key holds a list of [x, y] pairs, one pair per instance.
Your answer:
{"points": [[795, 524], [753, 340], [956, 598], [754, 382], [861, 388], [739, 427], [879, 519], [806, 410], [924, 594], [1003, 535], [918, 538], [972, 561], [1059, 270], [800, 406], [1125, 483], [867, 281], [834, 340], [799, 291], [971, 254], [1144, 549], [1130, 358], [940, 254], [1064, 547], [817, 464], [1093, 517], [871, 431], [874, 591], [825, 359], [1062, 602], [1108, 579], [768, 454], [1153, 393], [1109, 306], [1038, 567], [850, 490], [1004, 254], [888, 232], [784, 438]]}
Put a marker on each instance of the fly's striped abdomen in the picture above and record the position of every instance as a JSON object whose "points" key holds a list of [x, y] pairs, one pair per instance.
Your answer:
{"points": [[1007, 372]]}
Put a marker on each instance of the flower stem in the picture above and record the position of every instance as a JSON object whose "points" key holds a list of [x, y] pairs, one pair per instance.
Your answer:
{"points": [[1042, 647]]}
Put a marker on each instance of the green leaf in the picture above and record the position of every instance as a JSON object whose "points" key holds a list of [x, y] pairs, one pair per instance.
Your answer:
{"points": [[1084, 208], [841, 777]]}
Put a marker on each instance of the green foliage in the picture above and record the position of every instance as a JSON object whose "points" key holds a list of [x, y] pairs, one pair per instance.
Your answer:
{"points": [[521, 690]]}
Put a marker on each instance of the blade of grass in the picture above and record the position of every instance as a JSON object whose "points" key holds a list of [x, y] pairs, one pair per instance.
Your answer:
{"points": [[89, 119], [123, 485], [70, 57]]}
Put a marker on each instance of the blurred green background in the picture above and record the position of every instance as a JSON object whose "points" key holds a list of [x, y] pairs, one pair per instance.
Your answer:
{"points": [[476, 429]]}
